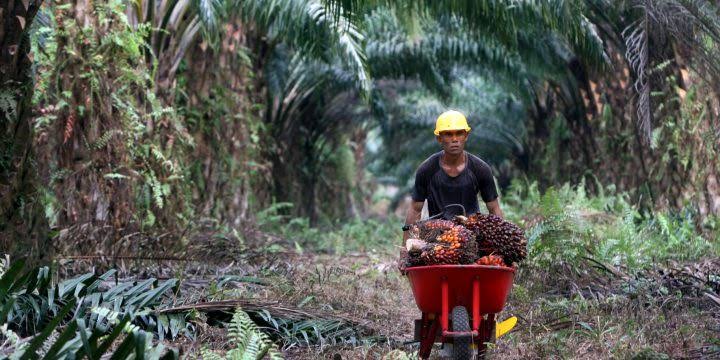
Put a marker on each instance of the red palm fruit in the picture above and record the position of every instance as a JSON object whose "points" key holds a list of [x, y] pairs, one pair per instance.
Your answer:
{"points": [[493, 260]]}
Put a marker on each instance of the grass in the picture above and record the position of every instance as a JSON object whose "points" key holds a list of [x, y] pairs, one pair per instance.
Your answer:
{"points": [[341, 237]]}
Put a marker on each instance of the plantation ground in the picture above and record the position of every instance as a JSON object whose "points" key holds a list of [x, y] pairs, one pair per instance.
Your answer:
{"points": [[601, 281], [580, 312]]}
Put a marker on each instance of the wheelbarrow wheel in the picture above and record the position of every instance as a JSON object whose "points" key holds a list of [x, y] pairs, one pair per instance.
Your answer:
{"points": [[462, 346]]}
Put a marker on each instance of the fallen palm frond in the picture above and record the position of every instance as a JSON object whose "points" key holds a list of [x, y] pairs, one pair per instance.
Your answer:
{"points": [[37, 299], [692, 281], [705, 352], [76, 318], [698, 282], [120, 257], [274, 307], [294, 326], [607, 267]]}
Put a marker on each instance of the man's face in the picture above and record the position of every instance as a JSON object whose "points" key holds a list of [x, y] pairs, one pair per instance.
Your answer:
{"points": [[453, 141]]}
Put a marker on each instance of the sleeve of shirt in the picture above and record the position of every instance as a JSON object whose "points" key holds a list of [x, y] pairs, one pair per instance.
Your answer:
{"points": [[486, 182], [419, 191]]}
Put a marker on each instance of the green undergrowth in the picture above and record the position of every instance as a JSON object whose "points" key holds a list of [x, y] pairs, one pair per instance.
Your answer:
{"points": [[339, 237], [567, 297], [563, 224], [248, 340], [96, 316], [566, 225]]}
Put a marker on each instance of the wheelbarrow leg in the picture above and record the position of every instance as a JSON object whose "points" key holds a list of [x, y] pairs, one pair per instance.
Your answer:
{"points": [[445, 311], [488, 335], [476, 316], [428, 340]]}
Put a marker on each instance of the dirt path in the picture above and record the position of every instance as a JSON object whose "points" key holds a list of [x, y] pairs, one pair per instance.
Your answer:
{"points": [[576, 314]]}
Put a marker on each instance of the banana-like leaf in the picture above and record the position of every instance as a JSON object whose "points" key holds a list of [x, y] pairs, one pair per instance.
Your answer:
{"points": [[39, 339], [67, 334], [9, 277]]}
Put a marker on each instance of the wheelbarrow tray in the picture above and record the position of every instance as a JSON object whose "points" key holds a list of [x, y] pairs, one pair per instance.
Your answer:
{"points": [[481, 291], [494, 283]]}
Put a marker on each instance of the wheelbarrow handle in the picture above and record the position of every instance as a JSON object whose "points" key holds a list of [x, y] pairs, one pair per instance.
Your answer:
{"points": [[407, 227]]}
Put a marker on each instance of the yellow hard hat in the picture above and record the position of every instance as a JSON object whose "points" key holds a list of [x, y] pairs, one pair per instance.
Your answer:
{"points": [[451, 120]]}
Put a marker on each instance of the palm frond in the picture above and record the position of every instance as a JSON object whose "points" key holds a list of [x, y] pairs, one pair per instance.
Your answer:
{"points": [[313, 331], [34, 307], [636, 41], [431, 54], [446, 42], [210, 13], [692, 25], [503, 20], [314, 29]]}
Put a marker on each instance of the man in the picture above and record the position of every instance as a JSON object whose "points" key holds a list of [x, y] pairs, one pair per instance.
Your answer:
{"points": [[452, 176]]}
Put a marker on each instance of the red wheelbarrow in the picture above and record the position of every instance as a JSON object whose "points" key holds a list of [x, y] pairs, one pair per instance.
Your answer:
{"points": [[458, 305]]}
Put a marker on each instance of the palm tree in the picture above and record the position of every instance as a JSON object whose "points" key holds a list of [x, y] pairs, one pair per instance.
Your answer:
{"points": [[177, 27], [302, 27], [306, 25], [20, 211], [310, 115], [301, 103], [670, 47]]}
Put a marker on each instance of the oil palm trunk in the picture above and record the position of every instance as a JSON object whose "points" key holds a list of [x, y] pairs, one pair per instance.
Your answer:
{"points": [[21, 216]]}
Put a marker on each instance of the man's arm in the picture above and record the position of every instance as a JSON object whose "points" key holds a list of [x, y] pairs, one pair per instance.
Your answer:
{"points": [[494, 208], [486, 186], [412, 217]]}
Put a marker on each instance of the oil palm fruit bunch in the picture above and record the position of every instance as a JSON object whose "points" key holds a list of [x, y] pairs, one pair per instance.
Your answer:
{"points": [[456, 235], [493, 260], [440, 254], [431, 229], [471, 223], [413, 259], [496, 236], [455, 245]]}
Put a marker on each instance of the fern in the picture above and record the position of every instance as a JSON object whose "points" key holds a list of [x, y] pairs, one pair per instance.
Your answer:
{"points": [[156, 188], [250, 343], [104, 139], [207, 354], [8, 104]]}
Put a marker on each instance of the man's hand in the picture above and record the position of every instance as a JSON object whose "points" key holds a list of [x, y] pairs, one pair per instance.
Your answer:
{"points": [[410, 245], [494, 208], [402, 261], [412, 217]]}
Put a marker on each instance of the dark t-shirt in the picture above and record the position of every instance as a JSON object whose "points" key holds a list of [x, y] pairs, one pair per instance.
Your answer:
{"points": [[435, 185]]}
